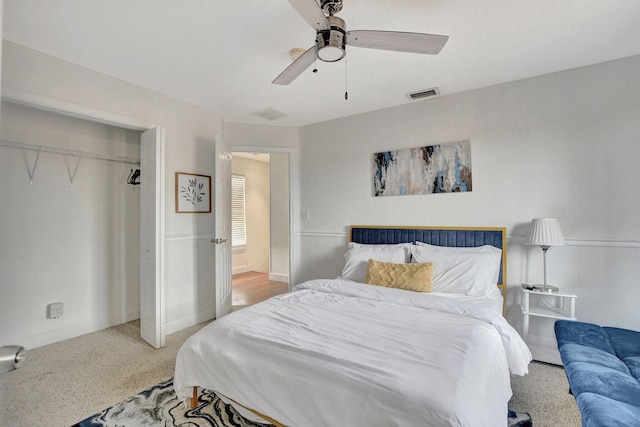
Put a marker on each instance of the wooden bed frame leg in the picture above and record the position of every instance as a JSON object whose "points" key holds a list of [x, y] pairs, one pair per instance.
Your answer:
{"points": [[194, 398]]}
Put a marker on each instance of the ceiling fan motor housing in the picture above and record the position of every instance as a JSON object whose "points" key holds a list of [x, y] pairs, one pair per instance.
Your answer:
{"points": [[330, 44], [331, 6]]}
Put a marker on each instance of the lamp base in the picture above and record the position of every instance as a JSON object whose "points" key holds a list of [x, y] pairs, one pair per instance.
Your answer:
{"points": [[545, 288]]}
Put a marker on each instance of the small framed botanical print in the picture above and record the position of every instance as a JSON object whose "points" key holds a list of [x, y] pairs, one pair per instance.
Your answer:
{"points": [[193, 193]]}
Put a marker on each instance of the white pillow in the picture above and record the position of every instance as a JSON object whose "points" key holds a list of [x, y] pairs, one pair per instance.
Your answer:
{"points": [[483, 248], [468, 273], [359, 254]]}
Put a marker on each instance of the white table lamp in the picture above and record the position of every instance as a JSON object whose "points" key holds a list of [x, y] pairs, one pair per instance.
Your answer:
{"points": [[545, 232]]}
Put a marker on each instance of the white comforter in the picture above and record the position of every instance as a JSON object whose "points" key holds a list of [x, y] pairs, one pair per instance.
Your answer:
{"points": [[339, 353]]}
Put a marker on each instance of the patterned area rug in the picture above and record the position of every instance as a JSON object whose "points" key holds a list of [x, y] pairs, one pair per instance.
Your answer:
{"points": [[159, 406]]}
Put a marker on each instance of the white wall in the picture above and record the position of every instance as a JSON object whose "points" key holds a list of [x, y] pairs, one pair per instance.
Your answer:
{"points": [[564, 145], [190, 135], [61, 243], [255, 255], [279, 205], [1, 20]]}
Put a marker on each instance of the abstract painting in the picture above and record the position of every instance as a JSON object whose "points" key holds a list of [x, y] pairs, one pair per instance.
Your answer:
{"points": [[443, 168]]}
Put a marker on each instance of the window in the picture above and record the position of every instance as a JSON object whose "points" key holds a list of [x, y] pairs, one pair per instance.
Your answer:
{"points": [[238, 217]]}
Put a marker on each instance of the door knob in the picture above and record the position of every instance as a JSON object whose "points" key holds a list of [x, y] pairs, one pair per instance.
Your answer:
{"points": [[219, 241]]}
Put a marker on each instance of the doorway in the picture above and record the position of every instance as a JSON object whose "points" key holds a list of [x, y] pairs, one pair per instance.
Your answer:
{"points": [[260, 225]]}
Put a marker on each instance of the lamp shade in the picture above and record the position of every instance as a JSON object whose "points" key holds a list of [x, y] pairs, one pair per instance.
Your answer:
{"points": [[545, 232]]}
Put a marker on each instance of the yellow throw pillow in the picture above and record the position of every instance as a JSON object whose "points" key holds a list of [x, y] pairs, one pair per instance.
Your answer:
{"points": [[411, 276]]}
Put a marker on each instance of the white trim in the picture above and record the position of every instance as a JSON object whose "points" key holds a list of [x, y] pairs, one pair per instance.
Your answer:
{"points": [[604, 243], [323, 234], [241, 269], [259, 149], [519, 240], [276, 277], [189, 236], [186, 322], [20, 97], [293, 212], [64, 330]]}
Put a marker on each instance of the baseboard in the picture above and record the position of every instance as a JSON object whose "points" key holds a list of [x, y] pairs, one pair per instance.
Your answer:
{"points": [[276, 277], [184, 323], [131, 316], [61, 329], [241, 269]]}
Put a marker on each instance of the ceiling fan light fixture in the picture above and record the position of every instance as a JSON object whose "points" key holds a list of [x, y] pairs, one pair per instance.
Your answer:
{"points": [[328, 53], [330, 44]]}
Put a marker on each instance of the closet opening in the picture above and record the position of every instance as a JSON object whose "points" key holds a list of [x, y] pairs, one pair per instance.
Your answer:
{"points": [[70, 224]]}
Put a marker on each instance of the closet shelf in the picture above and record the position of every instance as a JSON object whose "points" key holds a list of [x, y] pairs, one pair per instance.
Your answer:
{"points": [[64, 152]]}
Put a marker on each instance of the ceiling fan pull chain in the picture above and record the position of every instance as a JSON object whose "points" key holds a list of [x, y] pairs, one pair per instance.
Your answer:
{"points": [[346, 93]]}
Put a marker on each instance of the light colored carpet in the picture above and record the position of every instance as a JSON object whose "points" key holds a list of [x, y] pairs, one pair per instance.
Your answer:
{"points": [[63, 383], [544, 394]]}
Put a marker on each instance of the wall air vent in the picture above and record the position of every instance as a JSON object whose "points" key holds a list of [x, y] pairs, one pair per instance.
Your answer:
{"points": [[425, 93], [269, 114]]}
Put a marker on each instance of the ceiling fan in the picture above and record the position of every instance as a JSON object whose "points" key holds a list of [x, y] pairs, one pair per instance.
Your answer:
{"points": [[332, 38]]}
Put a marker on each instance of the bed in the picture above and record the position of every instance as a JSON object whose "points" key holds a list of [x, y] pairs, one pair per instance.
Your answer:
{"points": [[411, 333]]}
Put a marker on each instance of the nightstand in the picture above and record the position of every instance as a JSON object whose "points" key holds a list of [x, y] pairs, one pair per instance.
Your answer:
{"points": [[554, 305]]}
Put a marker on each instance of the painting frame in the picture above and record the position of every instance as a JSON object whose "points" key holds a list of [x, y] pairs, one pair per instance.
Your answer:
{"points": [[193, 193]]}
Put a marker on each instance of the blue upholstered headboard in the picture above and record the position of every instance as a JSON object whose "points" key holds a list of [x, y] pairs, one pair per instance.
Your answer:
{"points": [[440, 236]]}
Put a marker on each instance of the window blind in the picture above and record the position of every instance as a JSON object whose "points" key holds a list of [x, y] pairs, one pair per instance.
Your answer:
{"points": [[238, 217]]}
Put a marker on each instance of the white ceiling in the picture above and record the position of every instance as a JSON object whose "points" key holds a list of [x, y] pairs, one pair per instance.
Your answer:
{"points": [[223, 55]]}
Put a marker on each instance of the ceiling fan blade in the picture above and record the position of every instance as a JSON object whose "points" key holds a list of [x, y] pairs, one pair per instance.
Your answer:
{"points": [[296, 67], [311, 12], [430, 44]]}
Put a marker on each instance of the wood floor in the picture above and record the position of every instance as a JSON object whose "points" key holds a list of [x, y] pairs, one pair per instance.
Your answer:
{"points": [[253, 287]]}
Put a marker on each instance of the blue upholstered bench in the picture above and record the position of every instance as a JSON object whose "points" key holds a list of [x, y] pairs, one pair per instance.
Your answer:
{"points": [[603, 368]]}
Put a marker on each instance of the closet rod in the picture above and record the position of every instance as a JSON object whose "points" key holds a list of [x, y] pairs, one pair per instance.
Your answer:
{"points": [[45, 149]]}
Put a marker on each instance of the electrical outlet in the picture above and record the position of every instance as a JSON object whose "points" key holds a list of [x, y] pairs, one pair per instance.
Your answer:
{"points": [[55, 310]]}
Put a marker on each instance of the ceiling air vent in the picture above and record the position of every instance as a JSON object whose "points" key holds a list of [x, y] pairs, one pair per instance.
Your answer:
{"points": [[425, 93], [269, 114]]}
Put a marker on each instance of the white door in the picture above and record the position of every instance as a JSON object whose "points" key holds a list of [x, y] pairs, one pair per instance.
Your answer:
{"points": [[223, 228], [152, 236]]}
